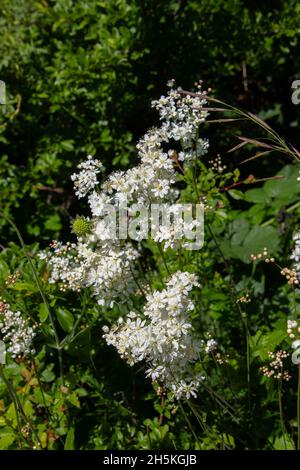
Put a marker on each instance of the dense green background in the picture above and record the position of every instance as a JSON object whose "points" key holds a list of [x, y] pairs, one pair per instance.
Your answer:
{"points": [[80, 76]]}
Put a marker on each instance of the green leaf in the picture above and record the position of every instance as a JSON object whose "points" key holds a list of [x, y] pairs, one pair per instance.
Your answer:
{"points": [[235, 194], [43, 312], [67, 145], [240, 228], [245, 241], [65, 319], [284, 188], [69, 443], [53, 223], [284, 442], [256, 195], [29, 287], [6, 439], [257, 239], [42, 398], [4, 270], [48, 375], [261, 343]]}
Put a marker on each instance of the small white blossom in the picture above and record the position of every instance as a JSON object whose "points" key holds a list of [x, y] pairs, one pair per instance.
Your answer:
{"points": [[211, 345], [106, 268], [163, 337], [86, 179], [16, 331]]}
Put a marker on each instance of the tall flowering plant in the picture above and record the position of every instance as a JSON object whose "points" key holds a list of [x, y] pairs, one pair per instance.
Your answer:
{"points": [[160, 334], [195, 318]]}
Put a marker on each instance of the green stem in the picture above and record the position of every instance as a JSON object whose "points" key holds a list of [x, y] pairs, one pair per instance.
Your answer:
{"points": [[244, 315], [283, 430], [233, 294], [8, 386], [288, 211], [163, 258], [18, 406], [188, 421]]}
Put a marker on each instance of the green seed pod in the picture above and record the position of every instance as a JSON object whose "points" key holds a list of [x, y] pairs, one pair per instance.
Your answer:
{"points": [[81, 226]]}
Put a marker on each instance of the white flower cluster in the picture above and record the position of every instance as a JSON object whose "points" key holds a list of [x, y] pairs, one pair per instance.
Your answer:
{"points": [[149, 182], [293, 331], [66, 267], [86, 179], [152, 179], [292, 328], [107, 270], [296, 254], [16, 332], [175, 233], [216, 164], [211, 345], [99, 260], [163, 337], [181, 115]]}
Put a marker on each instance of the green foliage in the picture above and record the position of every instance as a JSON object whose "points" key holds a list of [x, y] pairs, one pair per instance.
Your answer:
{"points": [[98, 389], [80, 76]]}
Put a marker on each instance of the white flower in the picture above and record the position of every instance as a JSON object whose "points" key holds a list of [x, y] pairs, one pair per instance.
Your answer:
{"points": [[296, 254], [98, 203], [187, 390], [181, 115], [99, 260], [16, 331], [107, 268], [163, 337], [86, 179], [211, 345]]}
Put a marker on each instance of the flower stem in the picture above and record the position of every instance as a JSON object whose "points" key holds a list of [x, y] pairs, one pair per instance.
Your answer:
{"points": [[18, 406], [283, 430]]}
